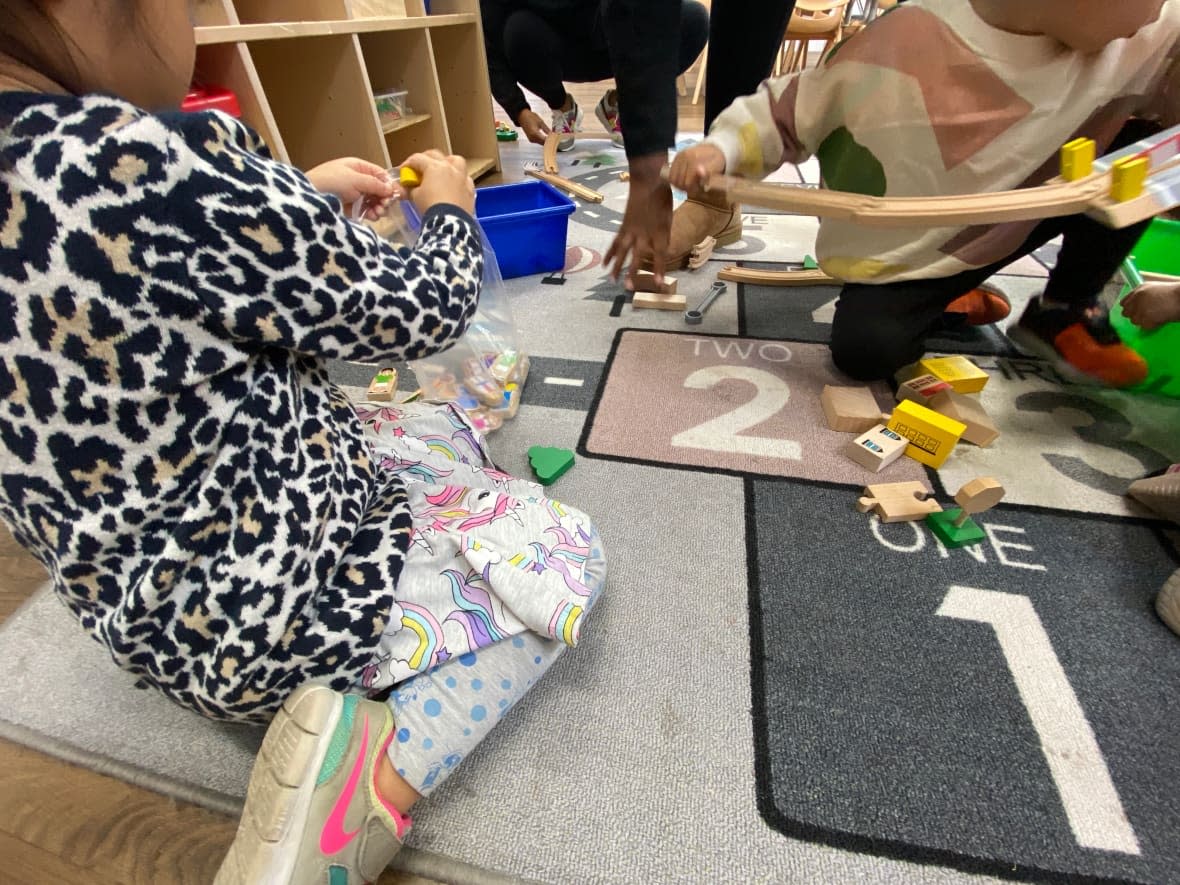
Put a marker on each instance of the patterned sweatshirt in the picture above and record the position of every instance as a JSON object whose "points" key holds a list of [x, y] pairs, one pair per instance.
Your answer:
{"points": [[170, 446], [930, 100]]}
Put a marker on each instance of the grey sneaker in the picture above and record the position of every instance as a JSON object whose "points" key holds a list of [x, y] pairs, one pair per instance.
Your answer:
{"points": [[608, 116], [567, 123], [312, 814]]}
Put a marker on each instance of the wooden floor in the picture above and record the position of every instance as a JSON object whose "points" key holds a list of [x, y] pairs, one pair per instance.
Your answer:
{"points": [[64, 824]]}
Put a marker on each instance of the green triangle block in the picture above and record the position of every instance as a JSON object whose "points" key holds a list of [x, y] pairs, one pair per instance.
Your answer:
{"points": [[810, 263], [944, 528]]}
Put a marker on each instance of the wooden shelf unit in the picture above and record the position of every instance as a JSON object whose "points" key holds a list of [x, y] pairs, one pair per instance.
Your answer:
{"points": [[305, 72]]}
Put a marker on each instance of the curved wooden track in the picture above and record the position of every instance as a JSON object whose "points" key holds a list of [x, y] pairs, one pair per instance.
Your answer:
{"points": [[551, 141], [735, 274]]}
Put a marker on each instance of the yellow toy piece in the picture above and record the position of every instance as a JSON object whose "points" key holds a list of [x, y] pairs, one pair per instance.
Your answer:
{"points": [[1127, 177], [408, 177], [959, 372], [1077, 158], [931, 435]]}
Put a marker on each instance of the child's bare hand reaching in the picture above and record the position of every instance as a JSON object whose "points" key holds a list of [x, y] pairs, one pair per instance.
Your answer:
{"points": [[692, 167], [350, 179], [444, 180], [1151, 305]]}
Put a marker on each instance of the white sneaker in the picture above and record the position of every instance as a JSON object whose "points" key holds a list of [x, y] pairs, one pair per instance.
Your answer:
{"points": [[608, 115], [567, 122]]}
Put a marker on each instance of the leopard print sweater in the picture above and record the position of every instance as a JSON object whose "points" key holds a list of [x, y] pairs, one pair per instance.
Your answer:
{"points": [[170, 445]]}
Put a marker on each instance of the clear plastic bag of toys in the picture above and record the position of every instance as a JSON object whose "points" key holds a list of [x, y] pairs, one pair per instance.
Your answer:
{"points": [[484, 371]]}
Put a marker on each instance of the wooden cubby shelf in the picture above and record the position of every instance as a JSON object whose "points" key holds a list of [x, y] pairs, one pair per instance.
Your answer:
{"points": [[305, 72]]}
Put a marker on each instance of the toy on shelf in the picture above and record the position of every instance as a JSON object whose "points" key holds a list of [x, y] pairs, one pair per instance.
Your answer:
{"points": [[550, 464], [851, 409], [877, 448], [968, 411], [383, 385], [957, 371], [1119, 189], [956, 528], [504, 132], [392, 105], [898, 501], [931, 435]]}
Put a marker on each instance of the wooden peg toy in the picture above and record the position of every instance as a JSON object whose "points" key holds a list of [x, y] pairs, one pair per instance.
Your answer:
{"points": [[898, 501], [970, 412], [382, 386], [931, 435], [876, 449], [957, 371], [851, 409], [956, 528]]}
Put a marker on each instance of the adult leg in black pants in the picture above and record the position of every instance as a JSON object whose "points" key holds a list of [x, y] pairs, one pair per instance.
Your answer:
{"points": [[877, 329], [545, 52], [743, 40]]}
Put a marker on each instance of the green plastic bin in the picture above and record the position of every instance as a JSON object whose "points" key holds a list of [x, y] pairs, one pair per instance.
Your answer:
{"points": [[1158, 251]]}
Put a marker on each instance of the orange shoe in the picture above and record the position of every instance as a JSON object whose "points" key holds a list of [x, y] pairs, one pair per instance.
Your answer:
{"points": [[982, 306], [1080, 342]]}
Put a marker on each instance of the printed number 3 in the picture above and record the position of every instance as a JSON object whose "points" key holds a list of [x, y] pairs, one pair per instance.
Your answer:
{"points": [[720, 434]]}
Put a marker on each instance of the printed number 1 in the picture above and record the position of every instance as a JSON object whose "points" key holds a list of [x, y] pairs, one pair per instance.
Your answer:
{"points": [[1075, 760], [720, 434]]}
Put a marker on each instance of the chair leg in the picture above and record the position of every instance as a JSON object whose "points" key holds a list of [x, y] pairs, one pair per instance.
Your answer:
{"points": [[696, 93]]}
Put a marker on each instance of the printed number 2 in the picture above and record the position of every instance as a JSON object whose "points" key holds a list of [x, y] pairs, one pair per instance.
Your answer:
{"points": [[1075, 760], [721, 433]]}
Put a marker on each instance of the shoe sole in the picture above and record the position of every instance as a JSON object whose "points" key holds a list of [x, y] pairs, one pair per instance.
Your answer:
{"points": [[1030, 345], [278, 797]]}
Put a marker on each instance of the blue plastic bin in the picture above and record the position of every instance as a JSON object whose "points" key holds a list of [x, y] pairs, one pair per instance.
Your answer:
{"points": [[526, 224]]}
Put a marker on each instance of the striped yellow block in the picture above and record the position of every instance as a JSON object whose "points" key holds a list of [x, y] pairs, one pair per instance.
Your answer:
{"points": [[959, 372]]}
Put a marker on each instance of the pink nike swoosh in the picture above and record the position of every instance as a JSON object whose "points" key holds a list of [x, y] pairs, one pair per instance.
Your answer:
{"points": [[334, 838]]}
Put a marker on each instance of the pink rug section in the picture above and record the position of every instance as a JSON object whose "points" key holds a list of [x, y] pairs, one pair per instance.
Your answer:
{"points": [[744, 405]]}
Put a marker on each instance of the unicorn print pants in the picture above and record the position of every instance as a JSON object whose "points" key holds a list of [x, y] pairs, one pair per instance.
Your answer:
{"points": [[497, 583]]}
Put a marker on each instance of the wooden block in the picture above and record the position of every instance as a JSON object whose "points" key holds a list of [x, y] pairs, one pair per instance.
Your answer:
{"points": [[957, 371], [876, 449], [850, 409], [382, 386], [921, 388], [645, 281], [898, 501], [970, 412], [931, 435], [658, 301]]}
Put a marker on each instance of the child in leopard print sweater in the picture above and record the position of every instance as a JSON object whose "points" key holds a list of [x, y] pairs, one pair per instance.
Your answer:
{"points": [[207, 503]]}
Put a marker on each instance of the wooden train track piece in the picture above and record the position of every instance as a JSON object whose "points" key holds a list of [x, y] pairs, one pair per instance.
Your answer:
{"points": [[551, 141], [701, 253], [570, 187], [735, 274]]}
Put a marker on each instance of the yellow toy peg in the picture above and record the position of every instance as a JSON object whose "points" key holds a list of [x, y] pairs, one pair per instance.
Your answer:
{"points": [[1077, 158], [1127, 177], [408, 177]]}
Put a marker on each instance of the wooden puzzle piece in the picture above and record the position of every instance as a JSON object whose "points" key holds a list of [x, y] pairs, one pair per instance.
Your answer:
{"points": [[898, 501]]}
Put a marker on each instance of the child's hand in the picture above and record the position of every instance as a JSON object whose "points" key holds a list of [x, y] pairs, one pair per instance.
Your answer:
{"points": [[1152, 305], [444, 180], [692, 167], [350, 179], [535, 129]]}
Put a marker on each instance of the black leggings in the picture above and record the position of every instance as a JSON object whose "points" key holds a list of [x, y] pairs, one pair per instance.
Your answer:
{"points": [[743, 40], [546, 52], [878, 329]]}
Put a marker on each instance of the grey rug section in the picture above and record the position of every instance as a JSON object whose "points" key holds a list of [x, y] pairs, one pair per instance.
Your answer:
{"points": [[884, 720], [631, 761]]}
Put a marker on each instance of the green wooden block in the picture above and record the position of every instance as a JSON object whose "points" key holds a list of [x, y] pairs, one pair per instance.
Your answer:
{"points": [[810, 263], [549, 463], [951, 535]]}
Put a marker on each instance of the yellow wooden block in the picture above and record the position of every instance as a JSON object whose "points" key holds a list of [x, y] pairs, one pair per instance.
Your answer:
{"points": [[959, 372], [1077, 158], [931, 435], [1127, 177]]}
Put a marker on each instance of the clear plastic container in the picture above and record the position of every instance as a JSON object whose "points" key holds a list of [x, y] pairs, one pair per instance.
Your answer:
{"points": [[391, 105]]}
